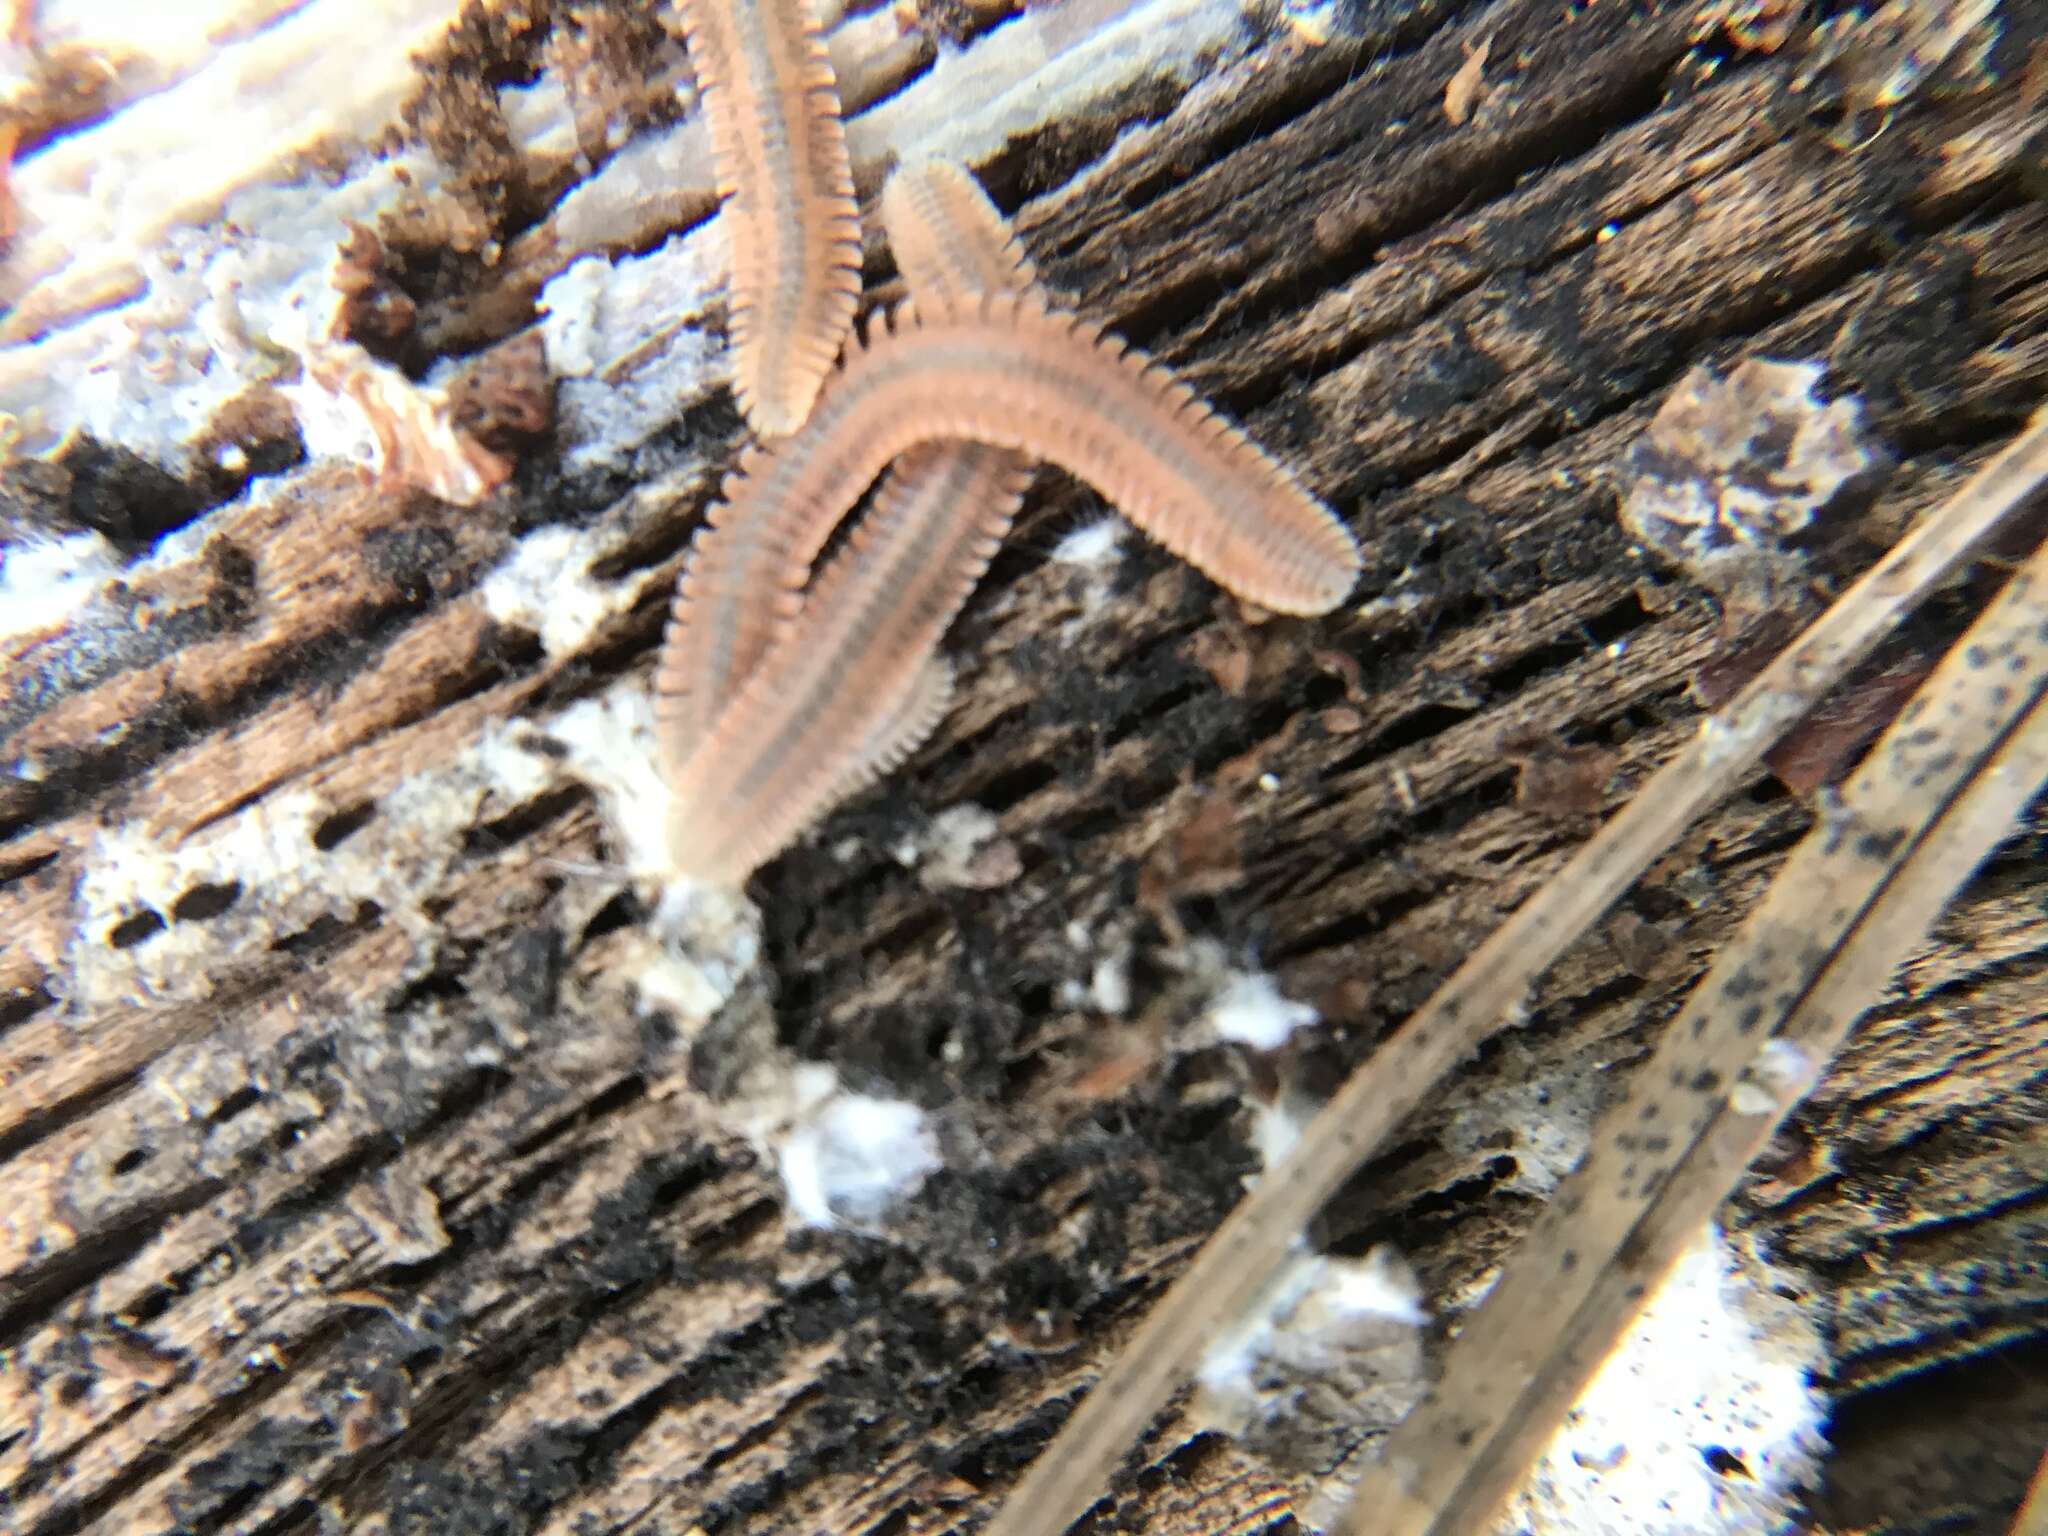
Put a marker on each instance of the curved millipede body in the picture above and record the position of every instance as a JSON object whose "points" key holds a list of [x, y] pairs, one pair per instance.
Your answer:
{"points": [[1010, 371], [854, 684], [948, 236]]}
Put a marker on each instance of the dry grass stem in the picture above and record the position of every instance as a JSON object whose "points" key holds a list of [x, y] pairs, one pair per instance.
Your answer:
{"points": [[2032, 1520], [1242, 1255], [1929, 803]]}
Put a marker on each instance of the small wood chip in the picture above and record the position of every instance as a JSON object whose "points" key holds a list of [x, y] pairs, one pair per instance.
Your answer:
{"points": [[1468, 86]]}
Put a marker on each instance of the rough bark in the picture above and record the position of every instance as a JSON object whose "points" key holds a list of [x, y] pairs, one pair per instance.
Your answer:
{"points": [[409, 1221]]}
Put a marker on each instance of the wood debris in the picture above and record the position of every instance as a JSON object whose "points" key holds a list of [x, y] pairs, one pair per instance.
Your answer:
{"points": [[1734, 471], [1467, 88], [568, 1138]]}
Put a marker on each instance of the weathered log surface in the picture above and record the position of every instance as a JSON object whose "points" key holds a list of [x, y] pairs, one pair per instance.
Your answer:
{"points": [[378, 1206]]}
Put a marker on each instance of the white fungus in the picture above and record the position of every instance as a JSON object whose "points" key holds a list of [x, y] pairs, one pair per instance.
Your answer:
{"points": [[1329, 1356], [286, 876], [849, 1157], [1276, 1130], [1109, 983], [1778, 1075], [44, 581], [544, 585], [961, 848], [628, 343], [96, 204], [1250, 1010], [1536, 1111], [1704, 1420], [1096, 543]]}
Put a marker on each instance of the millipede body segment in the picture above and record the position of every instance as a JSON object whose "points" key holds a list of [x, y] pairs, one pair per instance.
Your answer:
{"points": [[779, 150], [779, 694]]}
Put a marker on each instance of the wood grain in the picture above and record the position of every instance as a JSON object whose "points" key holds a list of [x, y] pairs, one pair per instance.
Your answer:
{"points": [[226, 1303]]}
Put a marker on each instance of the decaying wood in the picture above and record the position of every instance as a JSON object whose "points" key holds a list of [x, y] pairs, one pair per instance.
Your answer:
{"points": [[1477, 1000], [1936, 794], [401, 1217]]}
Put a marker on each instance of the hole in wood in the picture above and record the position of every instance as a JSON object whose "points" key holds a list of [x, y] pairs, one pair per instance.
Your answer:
{"points": [[231, 1106], [338, 828], [205, 901], [131, 931]]}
